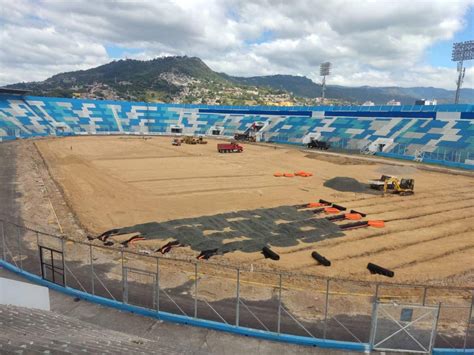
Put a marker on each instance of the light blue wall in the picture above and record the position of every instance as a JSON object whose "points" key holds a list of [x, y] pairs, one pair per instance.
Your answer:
{"points": [[441, 131]]}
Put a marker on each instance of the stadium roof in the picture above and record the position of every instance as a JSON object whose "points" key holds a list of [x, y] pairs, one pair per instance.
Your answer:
{"points": [[13, 91]]}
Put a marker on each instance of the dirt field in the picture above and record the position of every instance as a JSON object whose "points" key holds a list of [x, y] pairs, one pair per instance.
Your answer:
{"points": [[112, 182]]}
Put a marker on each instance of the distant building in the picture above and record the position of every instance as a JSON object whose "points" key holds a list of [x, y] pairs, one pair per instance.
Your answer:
{"points": [[285, 103], [368, 103], [394, 103], [424, 102]]}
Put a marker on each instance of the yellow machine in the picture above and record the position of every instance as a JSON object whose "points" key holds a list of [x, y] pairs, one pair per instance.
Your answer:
{"points": [[189, 140], [392, 184], [201, 140], [193, 140]]}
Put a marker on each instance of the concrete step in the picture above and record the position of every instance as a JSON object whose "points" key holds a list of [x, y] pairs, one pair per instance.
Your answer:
{"points": [[32, 330]]}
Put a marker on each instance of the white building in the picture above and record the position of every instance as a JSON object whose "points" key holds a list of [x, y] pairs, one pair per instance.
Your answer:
{"points": [[394, 103]]}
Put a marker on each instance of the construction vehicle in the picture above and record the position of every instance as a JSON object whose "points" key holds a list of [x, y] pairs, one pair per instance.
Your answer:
{"points": [[229, 148], [189, 140], [315, 144], [201, 140], [392, 184], [244, 137], [378, 184], [176, 141], [250, 134]]}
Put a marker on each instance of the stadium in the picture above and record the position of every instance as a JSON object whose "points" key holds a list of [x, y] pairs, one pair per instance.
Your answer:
{"points": [[113, 206]]}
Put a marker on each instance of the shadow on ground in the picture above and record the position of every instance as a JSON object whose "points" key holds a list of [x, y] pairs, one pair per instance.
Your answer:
{"points": [[247, 231]]}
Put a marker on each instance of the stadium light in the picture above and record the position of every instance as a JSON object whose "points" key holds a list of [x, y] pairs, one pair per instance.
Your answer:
{"points": [[461, 51], [324, 70]]}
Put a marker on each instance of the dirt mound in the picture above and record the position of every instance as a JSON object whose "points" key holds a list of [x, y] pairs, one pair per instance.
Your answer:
{"points": [[346, 184]]}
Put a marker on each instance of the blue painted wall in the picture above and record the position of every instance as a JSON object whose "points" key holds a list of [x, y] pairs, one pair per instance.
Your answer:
{"points": [[441, 131]]}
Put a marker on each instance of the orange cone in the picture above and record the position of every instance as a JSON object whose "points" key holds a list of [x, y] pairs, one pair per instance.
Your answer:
{"points": [[377, 224], [353, 216], [303, 173], [331, 210], [314, 204]]}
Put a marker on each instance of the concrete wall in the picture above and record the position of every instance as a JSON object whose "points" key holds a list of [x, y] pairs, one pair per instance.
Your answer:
{"points": [[23, 294]]}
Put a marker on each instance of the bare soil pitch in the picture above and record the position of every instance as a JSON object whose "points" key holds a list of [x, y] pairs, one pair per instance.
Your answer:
{"points": [[112, 182]]}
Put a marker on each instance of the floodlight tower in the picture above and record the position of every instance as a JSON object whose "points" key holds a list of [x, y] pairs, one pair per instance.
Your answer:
{"points": [[324, 70], [461, 51]]}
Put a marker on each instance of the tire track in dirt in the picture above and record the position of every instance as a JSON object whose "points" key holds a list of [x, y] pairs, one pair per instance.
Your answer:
{"points": [[230, 189], [429, 194], [411, 228], [427, 238], [400, 247], [195, 178], [394, 199], [457, 258], [453, 264], [427, 219], [431, 210], [404, 204], [406, 212], [461, 248], [455, 212]]}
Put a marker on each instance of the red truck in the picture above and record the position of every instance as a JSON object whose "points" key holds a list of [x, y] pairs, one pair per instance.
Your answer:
{"points": [[229, 148]]}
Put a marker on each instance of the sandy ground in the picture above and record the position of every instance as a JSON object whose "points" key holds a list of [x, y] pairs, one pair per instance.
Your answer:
{"points": [[100, 184], [112, 182]]}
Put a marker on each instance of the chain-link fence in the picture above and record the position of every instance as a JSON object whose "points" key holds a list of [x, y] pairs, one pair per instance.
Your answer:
{"points": [[284, 303], [402, 327]]}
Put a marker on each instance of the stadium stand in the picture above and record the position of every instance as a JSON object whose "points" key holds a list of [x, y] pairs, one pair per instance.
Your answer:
{"points": [[441, 134], [26, 330]]}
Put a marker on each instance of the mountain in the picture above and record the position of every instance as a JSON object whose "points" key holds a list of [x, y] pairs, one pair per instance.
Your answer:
{"points": [[168, 79], [127, 79], [304, 87], [298, 85], [189, 80]]}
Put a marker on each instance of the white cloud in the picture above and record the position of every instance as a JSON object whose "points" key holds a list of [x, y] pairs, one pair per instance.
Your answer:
{"points": [[31, 54], [369, 42]]}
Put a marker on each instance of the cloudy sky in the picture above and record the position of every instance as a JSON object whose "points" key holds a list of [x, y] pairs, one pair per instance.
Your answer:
{"points": [[378, 43]]}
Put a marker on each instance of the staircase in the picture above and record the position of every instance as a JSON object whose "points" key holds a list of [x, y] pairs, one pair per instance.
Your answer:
{"points": [[366, 150], [25, 330], [419, 155]]}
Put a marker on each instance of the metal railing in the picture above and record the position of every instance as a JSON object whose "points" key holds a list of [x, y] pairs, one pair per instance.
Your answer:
{"points": [[439, 155], [284, 303]]}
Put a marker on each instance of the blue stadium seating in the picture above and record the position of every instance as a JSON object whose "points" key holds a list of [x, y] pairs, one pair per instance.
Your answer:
{"points": [[443, 133]]}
